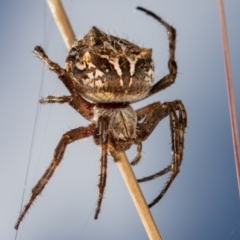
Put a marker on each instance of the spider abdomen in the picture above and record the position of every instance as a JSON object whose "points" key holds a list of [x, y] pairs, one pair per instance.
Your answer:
{"points": [[110, 69]]}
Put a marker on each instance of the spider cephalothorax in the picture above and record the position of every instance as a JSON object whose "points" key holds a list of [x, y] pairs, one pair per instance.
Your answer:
{"points": [[112, 73]]}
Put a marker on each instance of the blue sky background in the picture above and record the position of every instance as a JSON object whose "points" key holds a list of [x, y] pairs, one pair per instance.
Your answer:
{"points": [[202, 203]]}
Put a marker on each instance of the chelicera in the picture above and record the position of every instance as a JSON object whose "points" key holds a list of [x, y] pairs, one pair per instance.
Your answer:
{"points": [[104, 75]]}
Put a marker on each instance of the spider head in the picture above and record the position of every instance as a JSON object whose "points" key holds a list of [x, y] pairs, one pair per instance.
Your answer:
{"points": [[110, 69]]}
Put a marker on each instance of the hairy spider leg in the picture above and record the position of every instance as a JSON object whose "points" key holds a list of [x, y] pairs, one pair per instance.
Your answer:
{"points": [[66, 139], [169, 79], [138, 154], [74, 102], [101, 138], [77, 102], [154, 113], [141, 114]]}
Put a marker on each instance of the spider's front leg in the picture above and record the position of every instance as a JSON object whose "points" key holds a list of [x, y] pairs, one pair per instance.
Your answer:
{"points": [[101, 139], [169, 79], [154, 113], [66, 139]]}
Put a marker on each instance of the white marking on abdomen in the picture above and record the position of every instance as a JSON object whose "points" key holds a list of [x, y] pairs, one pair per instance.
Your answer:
{"points": [[98, 73], [130, 83], [115, 63], [81, 66]]}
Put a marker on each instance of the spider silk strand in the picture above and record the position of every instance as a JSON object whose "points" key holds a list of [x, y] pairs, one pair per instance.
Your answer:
{"points": [[231, 101]]}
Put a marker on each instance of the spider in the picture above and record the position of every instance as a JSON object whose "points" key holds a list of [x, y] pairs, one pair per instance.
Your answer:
{"points": [[104, 75]]}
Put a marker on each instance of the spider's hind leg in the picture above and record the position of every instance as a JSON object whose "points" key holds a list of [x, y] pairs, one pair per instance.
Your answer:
{"points": [[76, 100], [154, 113], [169, 79], [85, 109], [56, 99], [63, 75]]}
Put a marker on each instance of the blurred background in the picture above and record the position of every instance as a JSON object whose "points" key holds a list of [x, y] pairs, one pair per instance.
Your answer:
{"points": [[203, 201]]}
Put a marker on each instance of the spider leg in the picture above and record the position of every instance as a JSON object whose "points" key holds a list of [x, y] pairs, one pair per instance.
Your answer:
{"points": [[101, 138], [66, 139], [138, 154], [78, 102], [56, 99], [151, 116], [73, 102], [145, 111], [169, 79], [141, 114], [155, 175], [178, 124]]}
